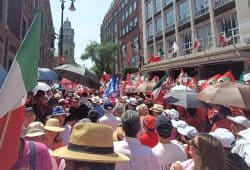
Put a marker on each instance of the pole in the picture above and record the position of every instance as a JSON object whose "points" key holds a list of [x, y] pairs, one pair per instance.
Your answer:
{"points": [[61, 36]]}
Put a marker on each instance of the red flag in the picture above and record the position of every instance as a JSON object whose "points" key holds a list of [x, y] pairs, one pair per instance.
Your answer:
{"points": [[223, 39], [180, 76], [211, 81], [196, 43], [10, 132], [226, 77]]}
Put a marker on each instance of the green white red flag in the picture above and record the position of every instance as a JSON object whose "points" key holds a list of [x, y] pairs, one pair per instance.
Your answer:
{"points": [[21, 79]]}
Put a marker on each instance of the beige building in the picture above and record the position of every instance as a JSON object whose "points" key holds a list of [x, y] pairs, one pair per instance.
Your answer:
{"points": [[222, 28]]}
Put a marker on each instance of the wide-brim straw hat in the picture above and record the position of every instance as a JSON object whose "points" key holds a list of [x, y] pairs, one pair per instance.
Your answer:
{"points": [[90, 142], [157, 108], [35, 129], [52, 124]]}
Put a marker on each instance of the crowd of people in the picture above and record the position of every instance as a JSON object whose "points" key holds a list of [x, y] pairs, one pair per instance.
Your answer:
{"points": [[66, 130]]}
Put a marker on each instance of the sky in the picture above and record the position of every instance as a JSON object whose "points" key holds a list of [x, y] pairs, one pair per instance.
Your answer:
{"points": [[85, 21]]}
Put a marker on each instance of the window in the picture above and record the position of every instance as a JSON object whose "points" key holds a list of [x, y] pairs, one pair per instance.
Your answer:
{"points": [[229, 25], [170, 42], [149, 9], [126, 14], [127, 30], [183, 11], [150, 30], [130, 10], [170, 20], [219, 3], [201, 7], [158, 24], [186, 43], [123, 56], [123, 31], [204, 36], [167, 2], [115, 28], [136, 43], [157, 5], [135, 5], [131, 26], [135, 21]]}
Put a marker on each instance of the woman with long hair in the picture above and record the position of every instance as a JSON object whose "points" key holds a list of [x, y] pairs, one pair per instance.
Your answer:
{"points": [[52, 131], [207, 153]]}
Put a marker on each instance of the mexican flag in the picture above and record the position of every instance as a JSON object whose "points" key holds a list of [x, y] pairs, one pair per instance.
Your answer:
{"points": [[22, 77], [157, 88]]}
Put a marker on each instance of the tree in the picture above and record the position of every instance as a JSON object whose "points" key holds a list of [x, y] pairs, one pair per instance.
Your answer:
{"points": [[103, 55]]}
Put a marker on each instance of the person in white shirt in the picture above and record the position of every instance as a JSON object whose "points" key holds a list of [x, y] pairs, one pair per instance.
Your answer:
{"points": [[166, 151], [108, 118], [141, 157]]}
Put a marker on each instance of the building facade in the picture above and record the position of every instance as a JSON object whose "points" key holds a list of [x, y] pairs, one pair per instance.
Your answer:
{"points": [[68, 42], [15, 19], [207, 34], [122, 24]]}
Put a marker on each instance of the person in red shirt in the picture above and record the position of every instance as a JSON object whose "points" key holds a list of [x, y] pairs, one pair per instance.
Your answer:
{"points": [[221, 120], [149, 138], [193, 119]]}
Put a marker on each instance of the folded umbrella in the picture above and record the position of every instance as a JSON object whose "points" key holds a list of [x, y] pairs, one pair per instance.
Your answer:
{"points": [[78, 74], [229, 94]]}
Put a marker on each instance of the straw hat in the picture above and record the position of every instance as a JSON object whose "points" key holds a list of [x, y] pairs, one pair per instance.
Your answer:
{"points": [[157, 108], [34, 129], [141, 107], [90, 142], [52, 124]]}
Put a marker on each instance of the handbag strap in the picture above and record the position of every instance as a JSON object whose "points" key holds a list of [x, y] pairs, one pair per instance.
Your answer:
{"points": [[32, 155]]}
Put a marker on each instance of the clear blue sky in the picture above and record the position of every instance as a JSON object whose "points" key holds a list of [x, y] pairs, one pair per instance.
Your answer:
{"points": [[86, 22]]}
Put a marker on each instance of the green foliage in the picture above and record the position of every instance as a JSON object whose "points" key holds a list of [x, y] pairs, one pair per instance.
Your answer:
{"points": [[125, 71], [103, 55]]}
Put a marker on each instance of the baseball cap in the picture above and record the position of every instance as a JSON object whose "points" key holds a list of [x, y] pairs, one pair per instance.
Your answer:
{"points": [[163, 126], [108, 106], [149, 121], [179, 123], [240, 120], [172, 113], [226, 137], [188, 131]]}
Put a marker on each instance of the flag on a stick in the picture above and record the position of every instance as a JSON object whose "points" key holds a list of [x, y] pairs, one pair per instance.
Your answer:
{"points": [[196, 43], [21, 78], [157, 88]]}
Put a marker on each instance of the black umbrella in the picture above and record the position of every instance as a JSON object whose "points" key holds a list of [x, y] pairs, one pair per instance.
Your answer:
{"points": [[78, 74], [44, 74], [184, 98]]}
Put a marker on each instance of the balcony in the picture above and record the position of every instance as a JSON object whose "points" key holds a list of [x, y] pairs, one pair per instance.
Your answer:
{"points": [[167, 3], [233, 37], [186, 48], [220, 3], [169, 28], [201, 12], [184, 20]]}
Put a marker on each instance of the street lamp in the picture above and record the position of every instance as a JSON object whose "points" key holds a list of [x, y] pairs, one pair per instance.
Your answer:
{"points": [[71, 8]]}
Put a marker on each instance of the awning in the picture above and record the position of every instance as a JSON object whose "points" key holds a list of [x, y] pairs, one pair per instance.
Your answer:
{"points": [[238, 52]]}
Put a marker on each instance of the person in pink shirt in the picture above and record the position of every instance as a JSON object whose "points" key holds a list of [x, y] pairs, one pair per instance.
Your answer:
{"points": [[32, 155]]}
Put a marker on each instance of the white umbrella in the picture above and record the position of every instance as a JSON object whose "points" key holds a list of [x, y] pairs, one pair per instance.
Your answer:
{"points": [[180, 87], [41, 86]]}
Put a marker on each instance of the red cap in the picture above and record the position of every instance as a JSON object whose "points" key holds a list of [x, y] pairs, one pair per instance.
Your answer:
{"points": [[149, 121]]}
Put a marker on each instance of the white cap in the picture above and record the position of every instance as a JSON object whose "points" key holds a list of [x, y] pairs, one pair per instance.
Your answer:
{"points": [[178, 123], [226, 137], [188, 131], [240, 120], [172, 113]]}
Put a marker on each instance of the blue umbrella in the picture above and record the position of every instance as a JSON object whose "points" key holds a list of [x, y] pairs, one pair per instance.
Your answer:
{"points": [[46, 74], [3, 74]]}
